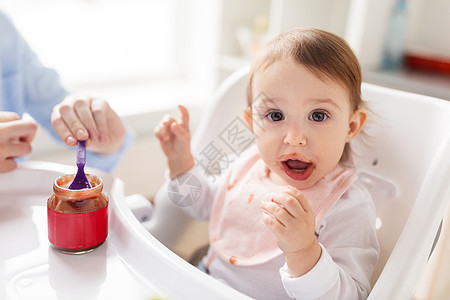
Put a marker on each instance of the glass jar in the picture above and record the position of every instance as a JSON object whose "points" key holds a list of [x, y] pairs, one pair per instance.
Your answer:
{"points": [[77, 219]]}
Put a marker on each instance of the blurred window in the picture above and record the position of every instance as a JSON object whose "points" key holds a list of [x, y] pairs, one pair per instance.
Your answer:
{"points": [[141, 55], [98, 41]]}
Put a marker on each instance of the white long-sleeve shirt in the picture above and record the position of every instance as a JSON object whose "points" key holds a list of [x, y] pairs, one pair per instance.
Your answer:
{"points": [[346, 234]]}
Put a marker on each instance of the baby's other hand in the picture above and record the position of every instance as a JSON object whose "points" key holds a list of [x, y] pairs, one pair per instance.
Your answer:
{"points": [[175, 140], [290, 217]]}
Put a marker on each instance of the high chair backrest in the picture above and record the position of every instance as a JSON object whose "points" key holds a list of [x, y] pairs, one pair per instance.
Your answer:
{"points": [[411, 149], [405, 164]]}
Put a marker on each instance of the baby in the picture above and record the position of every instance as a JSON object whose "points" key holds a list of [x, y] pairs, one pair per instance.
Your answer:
{"points": [[290, 218]]}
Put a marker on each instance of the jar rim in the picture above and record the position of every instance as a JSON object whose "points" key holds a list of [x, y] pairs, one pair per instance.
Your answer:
{"points": [[61, 185]]}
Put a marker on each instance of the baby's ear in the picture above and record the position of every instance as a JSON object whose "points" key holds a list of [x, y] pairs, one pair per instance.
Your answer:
{"points": [[356, 123], [248, 117]]}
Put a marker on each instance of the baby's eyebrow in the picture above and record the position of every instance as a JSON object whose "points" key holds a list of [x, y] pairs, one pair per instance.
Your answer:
{"points": [[327, 100], [264, 101]]}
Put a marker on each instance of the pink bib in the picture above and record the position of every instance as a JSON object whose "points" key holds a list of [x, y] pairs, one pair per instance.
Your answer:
{"points": [[237, 232]]}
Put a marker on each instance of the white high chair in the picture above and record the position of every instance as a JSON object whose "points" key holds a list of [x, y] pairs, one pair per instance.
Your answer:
{"points": [[406, 168]]}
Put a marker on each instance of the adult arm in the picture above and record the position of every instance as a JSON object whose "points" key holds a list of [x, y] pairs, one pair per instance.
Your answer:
{"points": [[29, 86]]}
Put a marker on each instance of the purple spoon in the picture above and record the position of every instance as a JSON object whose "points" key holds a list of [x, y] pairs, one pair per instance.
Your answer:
{"points": [[80, 181]]}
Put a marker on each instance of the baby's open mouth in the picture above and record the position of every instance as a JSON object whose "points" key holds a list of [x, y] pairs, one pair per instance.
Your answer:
{"points": [[297, 169], [297, 165]]}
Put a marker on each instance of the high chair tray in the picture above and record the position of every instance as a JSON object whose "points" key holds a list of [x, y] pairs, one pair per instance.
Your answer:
{"points": [[130, 264]]}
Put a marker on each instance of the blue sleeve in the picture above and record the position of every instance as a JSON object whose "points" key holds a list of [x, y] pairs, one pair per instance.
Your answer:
{"points": [[28, 86]]}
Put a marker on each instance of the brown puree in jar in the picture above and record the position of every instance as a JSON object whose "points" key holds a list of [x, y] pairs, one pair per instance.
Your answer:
{"points": [[70, 201]]}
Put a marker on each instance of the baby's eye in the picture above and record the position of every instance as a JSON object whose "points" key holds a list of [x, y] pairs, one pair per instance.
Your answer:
{"points": [[275, 116], [318, 116]]}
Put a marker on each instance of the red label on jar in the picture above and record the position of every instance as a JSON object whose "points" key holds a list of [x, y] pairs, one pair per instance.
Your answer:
{"points": [[77, 231]]}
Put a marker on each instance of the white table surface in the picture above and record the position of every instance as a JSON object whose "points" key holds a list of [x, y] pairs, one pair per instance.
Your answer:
{"points": [[31, 269], [131, 264]]}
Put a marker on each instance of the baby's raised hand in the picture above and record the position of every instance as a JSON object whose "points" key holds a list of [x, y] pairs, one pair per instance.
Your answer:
{"points": [[175, 140]]}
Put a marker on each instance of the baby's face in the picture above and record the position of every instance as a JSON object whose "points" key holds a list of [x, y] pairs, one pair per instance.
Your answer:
{"points": [[301, 123]]}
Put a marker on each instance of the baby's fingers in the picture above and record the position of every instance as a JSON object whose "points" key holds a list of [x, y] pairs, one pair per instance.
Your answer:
{"points": [[273, 224], [179, 132], [163, 131], [277, 212], [270, 220], [171, 130], [184, 117], [167, 122], [299, 197]]}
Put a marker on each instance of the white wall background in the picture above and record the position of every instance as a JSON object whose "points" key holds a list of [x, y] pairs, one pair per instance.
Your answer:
{"points": [[147, 56]]}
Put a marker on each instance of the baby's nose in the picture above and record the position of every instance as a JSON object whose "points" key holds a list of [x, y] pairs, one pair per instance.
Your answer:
{"points": [[294, 137]]}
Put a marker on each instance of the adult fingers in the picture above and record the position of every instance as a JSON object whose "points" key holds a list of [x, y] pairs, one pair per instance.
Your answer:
{"points": [[15, 149], [82, 108], [100, 108], [7, 165], [67, 124], [29, 132], [18, 130], [70, 117], [8, 116]]}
